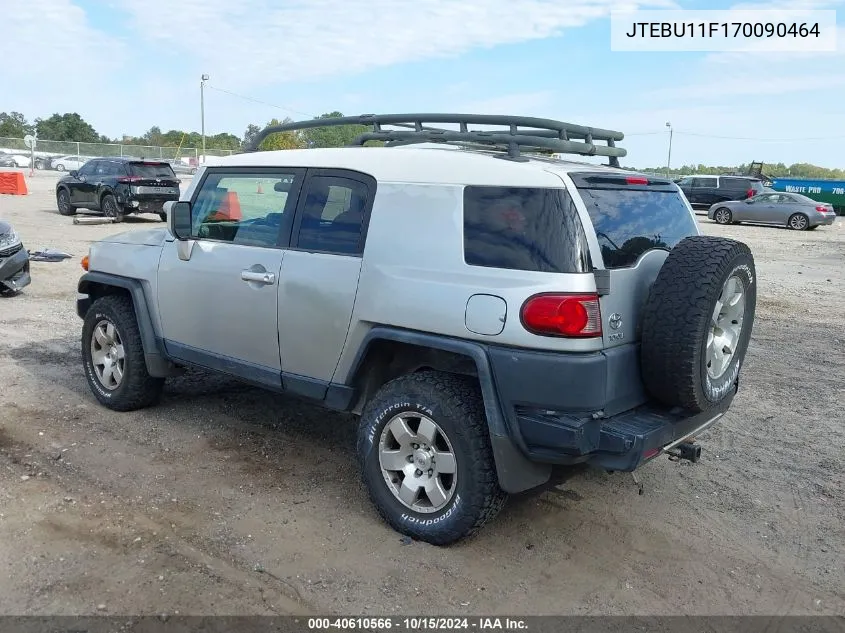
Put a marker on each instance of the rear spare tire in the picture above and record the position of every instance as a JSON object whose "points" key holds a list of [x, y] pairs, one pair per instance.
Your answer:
{"points": [[697, 321]]}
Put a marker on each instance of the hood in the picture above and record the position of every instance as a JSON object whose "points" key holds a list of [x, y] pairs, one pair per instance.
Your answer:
{"points": [[145, 237]]}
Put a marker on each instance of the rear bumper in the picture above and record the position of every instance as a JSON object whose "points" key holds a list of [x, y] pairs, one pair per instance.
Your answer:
{"points": [[620, 443], [14, 270], [144, 202], [825, 219], [594, 410]]}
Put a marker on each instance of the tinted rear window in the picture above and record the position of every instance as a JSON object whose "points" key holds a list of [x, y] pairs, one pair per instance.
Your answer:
{"points": [[529, 229], [629, 222], [151, 170]]}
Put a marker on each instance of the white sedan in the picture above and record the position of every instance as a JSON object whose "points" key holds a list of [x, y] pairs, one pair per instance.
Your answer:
{"points": [[68, 163], [14, 160]]}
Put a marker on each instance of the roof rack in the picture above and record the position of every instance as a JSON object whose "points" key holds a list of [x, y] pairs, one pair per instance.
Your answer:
{"points": [[526, 133]]}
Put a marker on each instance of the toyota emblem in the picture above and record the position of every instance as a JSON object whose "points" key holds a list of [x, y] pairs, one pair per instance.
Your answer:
{"points": [[615, 321]]}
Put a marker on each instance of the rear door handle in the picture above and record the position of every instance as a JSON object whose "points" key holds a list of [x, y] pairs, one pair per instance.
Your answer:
{"points": [[258, 277]]}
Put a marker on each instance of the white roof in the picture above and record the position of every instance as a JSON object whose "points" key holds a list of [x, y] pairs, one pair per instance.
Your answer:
{"points": [[440, 165]]}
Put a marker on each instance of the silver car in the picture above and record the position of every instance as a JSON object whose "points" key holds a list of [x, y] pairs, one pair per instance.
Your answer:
{"points": [[783, 209], [487, 314]]}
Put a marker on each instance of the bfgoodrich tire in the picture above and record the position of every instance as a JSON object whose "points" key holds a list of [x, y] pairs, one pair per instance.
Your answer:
{"points": [[113, 356], [697, 322], [426, 461]]}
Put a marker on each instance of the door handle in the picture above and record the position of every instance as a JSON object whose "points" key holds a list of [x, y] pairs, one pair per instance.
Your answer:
{"points": [[258, 277]]}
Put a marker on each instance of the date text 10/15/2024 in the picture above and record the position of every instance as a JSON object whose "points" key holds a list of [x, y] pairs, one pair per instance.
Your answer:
{"points": [[404, 623]]}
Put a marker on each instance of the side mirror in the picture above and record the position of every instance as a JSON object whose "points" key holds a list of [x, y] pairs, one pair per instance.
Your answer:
{"points": [[179, 219], [73, 173]]}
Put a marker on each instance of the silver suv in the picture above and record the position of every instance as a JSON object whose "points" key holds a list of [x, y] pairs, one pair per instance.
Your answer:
{"points": [[488, 311]]}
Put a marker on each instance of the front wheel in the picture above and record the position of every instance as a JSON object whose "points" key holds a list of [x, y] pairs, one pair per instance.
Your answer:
{"points": [[113, 356], [723, 215], [60, 167], [63, 203], [426, 460]]}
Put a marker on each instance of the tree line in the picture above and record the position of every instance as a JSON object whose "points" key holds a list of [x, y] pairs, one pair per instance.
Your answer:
{"points": [[72, 127]]}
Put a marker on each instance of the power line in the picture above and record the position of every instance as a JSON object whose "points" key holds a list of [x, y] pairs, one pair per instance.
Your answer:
{"points": [[655, 133], [742, 138], [259, 101]]}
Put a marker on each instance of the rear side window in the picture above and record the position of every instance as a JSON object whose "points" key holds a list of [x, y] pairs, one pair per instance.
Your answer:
{"points": [[151, 170], [632, 219], [532, 229]]}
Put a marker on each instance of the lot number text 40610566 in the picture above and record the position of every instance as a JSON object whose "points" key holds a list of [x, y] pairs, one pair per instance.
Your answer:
{"points": [[404, 623]]}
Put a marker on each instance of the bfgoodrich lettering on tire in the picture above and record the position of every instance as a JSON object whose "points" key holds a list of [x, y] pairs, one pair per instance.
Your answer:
{"points": [[425, 455], [697, 322], [113, 356]]}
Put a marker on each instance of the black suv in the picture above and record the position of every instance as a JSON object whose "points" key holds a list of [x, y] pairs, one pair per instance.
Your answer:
{"points": [[704, 191], [117, 186]]}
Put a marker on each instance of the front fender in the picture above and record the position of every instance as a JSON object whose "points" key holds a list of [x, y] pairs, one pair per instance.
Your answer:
{"points": [[93, 285]]}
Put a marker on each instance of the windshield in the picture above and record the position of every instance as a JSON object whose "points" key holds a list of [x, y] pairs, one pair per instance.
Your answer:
{"points": [[150, 170], [629, 222]]}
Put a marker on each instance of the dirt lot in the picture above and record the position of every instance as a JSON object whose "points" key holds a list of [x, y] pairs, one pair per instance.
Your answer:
{"points": [[228, 500]]}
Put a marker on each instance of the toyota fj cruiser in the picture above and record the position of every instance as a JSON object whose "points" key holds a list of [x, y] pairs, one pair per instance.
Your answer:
{"points": [[487, 311]]}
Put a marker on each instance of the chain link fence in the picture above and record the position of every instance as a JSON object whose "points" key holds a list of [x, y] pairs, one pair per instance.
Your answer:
{"points": [[57, 149]]}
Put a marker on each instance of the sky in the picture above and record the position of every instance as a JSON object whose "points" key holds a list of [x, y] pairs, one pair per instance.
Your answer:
{"points": [[127, 65]]}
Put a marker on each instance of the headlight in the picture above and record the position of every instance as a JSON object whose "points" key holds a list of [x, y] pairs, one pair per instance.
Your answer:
{"points": [[9, 239]]}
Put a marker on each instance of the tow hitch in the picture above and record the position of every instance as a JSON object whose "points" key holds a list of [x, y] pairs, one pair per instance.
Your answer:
{"points": [[686, 450], [685, 447]]}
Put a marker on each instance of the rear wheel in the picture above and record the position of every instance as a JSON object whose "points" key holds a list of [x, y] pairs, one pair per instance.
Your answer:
{"points": [[798, 222], [110, 208], [697, 322], [723, 215], [426, 460], [63, 203], [60, 167]]}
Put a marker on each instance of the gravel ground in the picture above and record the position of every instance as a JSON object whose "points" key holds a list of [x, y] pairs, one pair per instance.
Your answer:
{"points": [[228, 500]]}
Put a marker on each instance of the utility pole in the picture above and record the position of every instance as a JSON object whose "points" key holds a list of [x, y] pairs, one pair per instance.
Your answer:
{"points": [[669, 159], [202, 112]]}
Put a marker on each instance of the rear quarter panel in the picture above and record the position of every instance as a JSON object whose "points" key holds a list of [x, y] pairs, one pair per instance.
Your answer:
{"points": [[413, 273]]}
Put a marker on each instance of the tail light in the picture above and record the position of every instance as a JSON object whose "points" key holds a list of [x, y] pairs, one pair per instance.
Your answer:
{"points": [[567, 315], [125, 180], [636, 180], [823, 209], [84, 262]]}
